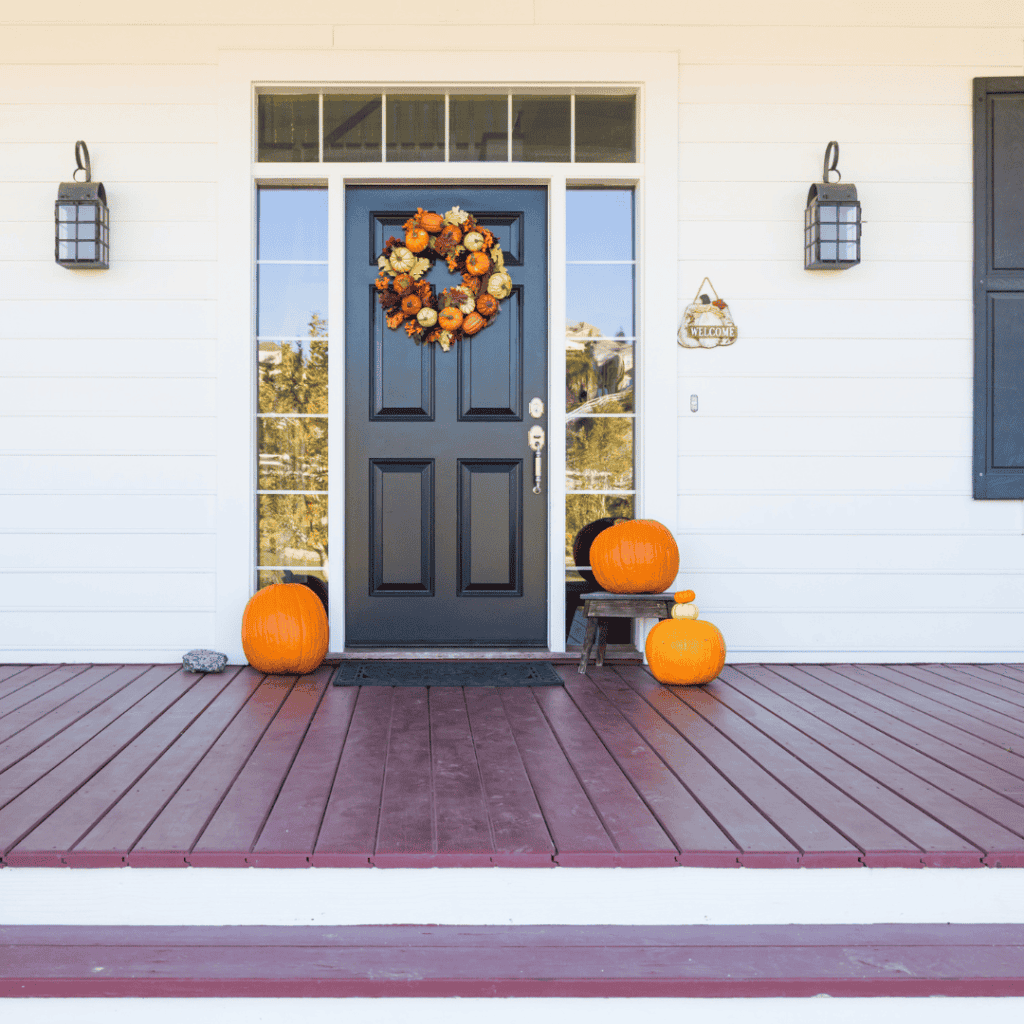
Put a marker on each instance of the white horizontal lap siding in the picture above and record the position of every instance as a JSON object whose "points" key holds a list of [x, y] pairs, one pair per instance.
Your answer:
{"points": [[825, 504], [833, 435], [108, 400]]}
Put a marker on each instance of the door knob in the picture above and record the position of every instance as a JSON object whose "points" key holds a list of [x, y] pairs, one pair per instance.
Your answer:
{"points": [[535, 439]]}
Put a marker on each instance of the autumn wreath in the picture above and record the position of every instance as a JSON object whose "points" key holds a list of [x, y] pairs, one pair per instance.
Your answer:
{"points": [[469, 250]]}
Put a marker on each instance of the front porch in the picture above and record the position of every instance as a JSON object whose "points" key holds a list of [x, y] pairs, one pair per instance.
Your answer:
{"points": [[779, 766]]}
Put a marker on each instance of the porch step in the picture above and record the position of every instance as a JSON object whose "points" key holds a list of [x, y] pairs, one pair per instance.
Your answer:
{"points": [[691, 961]]}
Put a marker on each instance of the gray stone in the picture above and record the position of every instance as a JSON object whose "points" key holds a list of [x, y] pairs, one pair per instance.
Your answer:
{"points": [[204, 661]]}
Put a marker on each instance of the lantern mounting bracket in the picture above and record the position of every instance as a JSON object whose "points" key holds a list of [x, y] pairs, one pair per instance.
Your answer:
{"points": [[833, 149]]}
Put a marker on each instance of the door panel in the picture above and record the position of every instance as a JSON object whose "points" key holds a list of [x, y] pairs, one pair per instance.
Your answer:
{"points": [[446, 543]]}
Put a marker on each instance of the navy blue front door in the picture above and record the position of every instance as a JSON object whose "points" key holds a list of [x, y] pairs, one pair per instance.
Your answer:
{"points": [[445, 541]]}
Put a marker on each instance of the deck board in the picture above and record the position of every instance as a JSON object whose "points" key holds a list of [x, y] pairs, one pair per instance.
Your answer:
{"points": [[681, 816], [769, 766]]}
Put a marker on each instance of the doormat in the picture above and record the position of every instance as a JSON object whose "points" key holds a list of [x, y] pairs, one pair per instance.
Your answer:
{"points": [[441, 673]]}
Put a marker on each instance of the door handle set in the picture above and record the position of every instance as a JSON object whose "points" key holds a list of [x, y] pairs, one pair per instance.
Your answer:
{"points": [[535, 439]]}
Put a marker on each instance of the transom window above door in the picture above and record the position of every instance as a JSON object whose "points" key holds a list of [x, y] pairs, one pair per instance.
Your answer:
{"points": [[446, 127]]}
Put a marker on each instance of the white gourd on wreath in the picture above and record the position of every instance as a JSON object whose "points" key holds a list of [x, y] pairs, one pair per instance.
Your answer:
{"points": [[473, 241], [500, 285], [402, 260], [426, 317]]}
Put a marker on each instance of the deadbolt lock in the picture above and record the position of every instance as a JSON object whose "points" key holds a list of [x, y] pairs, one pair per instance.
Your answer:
{"points": [[536, 408]]}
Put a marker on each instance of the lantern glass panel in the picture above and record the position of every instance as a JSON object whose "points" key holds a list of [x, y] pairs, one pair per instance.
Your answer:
{"points": [[848, 213], [827, 212], [828, 251]]}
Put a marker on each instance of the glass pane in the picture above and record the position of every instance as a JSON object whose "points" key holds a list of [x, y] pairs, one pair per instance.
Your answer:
{"points": [[87, 230], [352, 128], [605, 129], [478, 128], [599, 224], [292, 224], [292, 454], [848, 213], [598, 374], [289, 297], [293, 375], [827, 212], [292, 529], [415, 128], [67, 211], [540, 128], [581, 509], [267, 576], [87, 212], [599, 454], [286, 129], [601, 297]]}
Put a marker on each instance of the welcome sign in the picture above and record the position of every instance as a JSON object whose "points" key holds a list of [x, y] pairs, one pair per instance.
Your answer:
{"points": [[707, 322]]}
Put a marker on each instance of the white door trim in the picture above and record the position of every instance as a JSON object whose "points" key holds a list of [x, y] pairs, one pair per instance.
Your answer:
{"points": [[655, 75]]}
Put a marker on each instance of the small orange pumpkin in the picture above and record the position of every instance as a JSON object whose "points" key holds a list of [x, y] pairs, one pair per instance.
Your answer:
{"points": [[403, 283], [685, 652], [432, 222], [450, 318], [452, 234], [411, 305], [487, 305], [684, 596], [635, 556], [284, 630], [478, 263], [417, 239], [473, 323]]}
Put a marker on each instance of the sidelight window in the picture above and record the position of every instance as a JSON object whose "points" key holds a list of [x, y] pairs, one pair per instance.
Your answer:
{"points": [[600, 347], [291, 352]]}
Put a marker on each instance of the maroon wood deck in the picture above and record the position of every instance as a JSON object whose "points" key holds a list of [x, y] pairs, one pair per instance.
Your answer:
{"points": [[770, 766], [695, 961]]}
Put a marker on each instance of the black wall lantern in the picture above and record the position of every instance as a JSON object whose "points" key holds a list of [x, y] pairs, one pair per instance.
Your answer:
{"points": [[831, 220], [82, 219]]}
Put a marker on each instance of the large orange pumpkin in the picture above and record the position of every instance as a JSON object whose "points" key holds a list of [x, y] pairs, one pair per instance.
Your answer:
{"points": [[635, 556], [685, 652], [284, 630]]}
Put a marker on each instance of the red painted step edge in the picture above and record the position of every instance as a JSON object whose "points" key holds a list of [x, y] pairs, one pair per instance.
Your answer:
{"points": [[504, 988]]}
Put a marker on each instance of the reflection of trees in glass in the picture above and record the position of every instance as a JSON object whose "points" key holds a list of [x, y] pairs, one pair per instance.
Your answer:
{"points": [[581, 509], [290, 380], [599, 453], [292, 453], [292, 528]]}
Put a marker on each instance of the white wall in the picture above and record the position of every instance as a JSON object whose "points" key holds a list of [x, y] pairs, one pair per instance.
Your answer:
{"points": [[825, 505]]}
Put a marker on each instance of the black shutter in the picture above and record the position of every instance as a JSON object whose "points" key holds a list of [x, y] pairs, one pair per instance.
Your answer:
{"points": [[999, 288]]}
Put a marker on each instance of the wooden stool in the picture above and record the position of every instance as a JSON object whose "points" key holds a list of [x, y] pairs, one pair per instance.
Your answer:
{"points": [[600, 606]]}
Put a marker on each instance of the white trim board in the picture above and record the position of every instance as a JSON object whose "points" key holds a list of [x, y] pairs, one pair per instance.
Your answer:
{"points": [[655, 75], [501, 896], [513, 1011]]}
